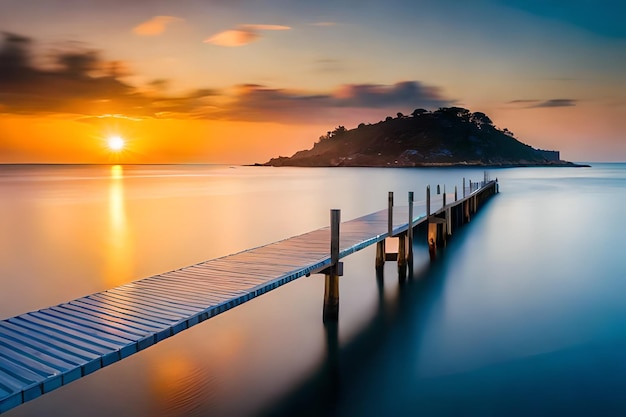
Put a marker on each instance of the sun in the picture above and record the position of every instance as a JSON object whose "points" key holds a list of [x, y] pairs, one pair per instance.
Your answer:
{"points": [[116, 143]]}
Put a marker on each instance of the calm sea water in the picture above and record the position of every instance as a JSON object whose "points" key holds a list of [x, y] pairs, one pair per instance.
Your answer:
{"points": [[522, 314]]}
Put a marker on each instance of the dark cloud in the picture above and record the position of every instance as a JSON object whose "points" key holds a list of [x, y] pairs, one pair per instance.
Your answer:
{"points": [[14, 58], [406, 93], [523, 101], [257, 102], [81, 83]]}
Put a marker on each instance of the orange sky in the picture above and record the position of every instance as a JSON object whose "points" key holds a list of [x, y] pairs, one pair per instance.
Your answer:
{"points": [[214, 82]]}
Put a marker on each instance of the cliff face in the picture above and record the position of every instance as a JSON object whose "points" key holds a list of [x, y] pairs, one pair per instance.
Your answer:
{"points": [[448, 136]]}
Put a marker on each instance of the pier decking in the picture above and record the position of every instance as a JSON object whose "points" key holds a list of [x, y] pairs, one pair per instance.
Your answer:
{"points": [[45, 349]]}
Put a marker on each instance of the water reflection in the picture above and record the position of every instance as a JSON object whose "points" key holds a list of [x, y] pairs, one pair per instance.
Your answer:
{"points": [[332, 389], [180, 385], [118, 265]]}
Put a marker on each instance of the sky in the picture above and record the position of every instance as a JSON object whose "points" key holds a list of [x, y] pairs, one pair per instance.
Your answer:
{"points": [[242, 81]]}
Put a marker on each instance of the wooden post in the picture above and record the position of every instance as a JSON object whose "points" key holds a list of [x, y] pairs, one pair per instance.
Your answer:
{"points": [[335, 220], [390, 214], [331, 298], [432, 240], [428, 201], [444, 195], [380, 254], [463, 187], [455, 193], [438, 190], [402, 259], [331, 284], [410, 230]]}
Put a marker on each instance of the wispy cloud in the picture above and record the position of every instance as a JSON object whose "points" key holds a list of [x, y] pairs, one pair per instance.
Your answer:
{"points": [[523, 101], [555, 102], [154, 26], [329, 65], [233, 37], [323, 24], [242, 35], [264, 27]]}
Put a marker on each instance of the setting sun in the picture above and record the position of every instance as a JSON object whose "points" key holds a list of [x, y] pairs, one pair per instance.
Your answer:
{"points": [[116, 143]]}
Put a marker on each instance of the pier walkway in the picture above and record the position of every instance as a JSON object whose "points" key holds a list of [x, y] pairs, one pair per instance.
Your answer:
{"points": [[45, 349]]}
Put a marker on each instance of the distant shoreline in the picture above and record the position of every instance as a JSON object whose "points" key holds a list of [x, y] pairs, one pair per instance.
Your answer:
{"points": [[560, 164]]}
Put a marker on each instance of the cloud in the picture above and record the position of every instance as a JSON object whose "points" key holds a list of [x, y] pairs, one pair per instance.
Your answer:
{"points": [[399, 94], [329, 65], [154, 26], [265, 27], [81, 83], [555, 102], [256, 102], [241, 35], [234, 37], [84, 86], [522, 101], [323, 24]]}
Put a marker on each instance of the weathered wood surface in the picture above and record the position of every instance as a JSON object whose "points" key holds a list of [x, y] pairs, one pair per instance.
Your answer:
{"points": [[45, 349]]}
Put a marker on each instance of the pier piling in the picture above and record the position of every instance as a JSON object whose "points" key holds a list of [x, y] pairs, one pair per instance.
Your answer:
{"points": [[332, 273], [410, 230], [390, 214]]}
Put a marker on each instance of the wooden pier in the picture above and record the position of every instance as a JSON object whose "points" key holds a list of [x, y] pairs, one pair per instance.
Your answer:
{"points": [[45, 349]]}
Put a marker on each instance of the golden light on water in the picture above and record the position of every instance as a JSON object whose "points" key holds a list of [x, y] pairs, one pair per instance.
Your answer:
{"points": [[119, 265]]}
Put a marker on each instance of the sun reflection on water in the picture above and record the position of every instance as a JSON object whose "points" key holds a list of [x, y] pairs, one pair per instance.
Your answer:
{"points": [[118, 268]]}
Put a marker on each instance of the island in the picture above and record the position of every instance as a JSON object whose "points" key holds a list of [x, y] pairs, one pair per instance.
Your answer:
{"points": [[449, 136]]}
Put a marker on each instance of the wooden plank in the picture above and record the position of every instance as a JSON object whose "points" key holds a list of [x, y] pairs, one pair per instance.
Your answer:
{"points": [[231, 291], [119, 314], [25, 367], [15, 380], [38, 340], [172, 294], [65, 334], [109, 322], [81, 327], [10, 347], [122, 303], [145, 300], [21, 341], [201, 290], [210, 290]]}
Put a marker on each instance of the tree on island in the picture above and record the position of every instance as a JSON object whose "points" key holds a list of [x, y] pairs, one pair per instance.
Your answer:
{"points": [[419, 112]]}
